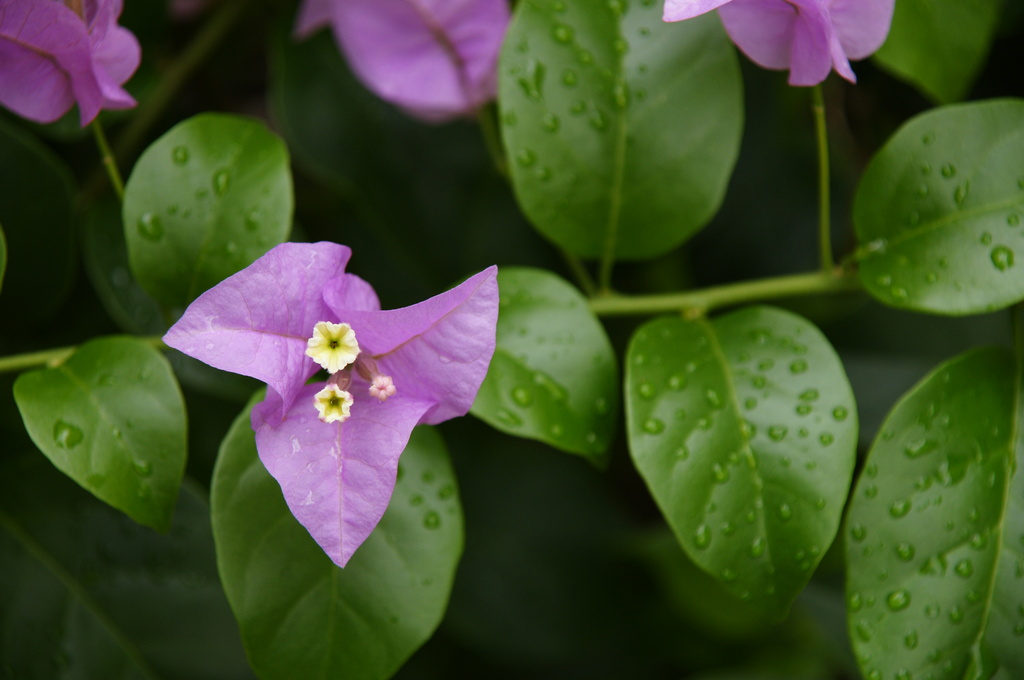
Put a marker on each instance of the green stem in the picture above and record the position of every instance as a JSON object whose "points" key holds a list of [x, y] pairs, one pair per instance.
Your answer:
{"points": [[583, 277], [109, 162], [180, 72], [697, 303], [487, 117], [824, 189], [56, 356]]}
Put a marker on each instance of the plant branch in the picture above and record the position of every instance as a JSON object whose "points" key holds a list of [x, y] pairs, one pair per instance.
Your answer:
{"points": [[697, 303], [56, 356], [824, 188], [107, 156]]}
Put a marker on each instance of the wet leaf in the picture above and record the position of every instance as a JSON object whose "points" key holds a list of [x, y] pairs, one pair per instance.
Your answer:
{"points": [[302, 616], [204, 201], [745, 430], [939, 211], [939, 45], [112, 418], [935, 531], [553, 376], [621, 130]]}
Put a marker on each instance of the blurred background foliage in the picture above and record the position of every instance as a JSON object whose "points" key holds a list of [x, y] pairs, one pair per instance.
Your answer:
{"points": [[569, 571]]}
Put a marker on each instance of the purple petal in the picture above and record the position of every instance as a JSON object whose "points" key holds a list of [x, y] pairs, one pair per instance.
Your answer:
{"points": [[680, 10], [435, 58], [45, 61], [348, 291], [436, 351], [862, 25], [116, 52], [337, 479], [257, 322], [780, 34]]}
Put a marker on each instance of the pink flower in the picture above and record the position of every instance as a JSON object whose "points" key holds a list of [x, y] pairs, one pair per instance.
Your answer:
{"points": [[809, 37], [437, 59], [334, 445], [53, 55]]}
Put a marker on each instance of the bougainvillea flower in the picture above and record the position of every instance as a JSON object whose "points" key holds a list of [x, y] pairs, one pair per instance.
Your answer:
{"points": [[54, 54], [437, 59], [808, 37], [334, 445]]}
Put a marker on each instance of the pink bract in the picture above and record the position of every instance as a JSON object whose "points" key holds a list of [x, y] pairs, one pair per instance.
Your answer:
{"points": [[51, 58], [437, 59], [808, 37], [337, 478]]}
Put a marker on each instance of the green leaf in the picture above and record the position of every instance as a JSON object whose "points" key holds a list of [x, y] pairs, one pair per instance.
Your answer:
{"points": [[105, 256], [939, 45], [87, 593], [302, 616], [938, 212], [622, 130], [935, 538], [112, 418], [553, 376], [36, 212], [204, 201], [745, 430]]}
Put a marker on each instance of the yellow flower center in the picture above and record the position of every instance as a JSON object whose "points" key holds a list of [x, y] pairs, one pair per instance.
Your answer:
{"points": [[333, 345]]}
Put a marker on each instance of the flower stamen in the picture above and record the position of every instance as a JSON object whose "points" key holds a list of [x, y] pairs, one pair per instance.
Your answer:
{"points": [[333, 345], [333, 404]]}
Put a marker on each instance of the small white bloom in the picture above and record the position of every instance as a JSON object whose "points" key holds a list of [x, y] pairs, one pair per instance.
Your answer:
{"points": [[333, 345], [333, 403]]}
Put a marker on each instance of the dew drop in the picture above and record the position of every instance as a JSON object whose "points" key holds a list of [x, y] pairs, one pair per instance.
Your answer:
{"points": [[66, 435], [809, 395], [150, 227], [870, 491], [720, 473], [785, 512], [903, 674], [898, 600], [677, 382], [221, 182], [759, 381], [702, 537], [562, 33], [532, 81], [899, 508], [653, 426], [556, 430], [960, 195], [920, 447], [798, 366], [826, 439], [432, 520], [777, 433], [526, 157], [646, 390], [1013, 220], [804, 409], [597, 121], [508, 418], [569, 77], [585, 57], [905, 552], [757, 548], [956, 615], [948, 170], [143, 468], [922, 190], [1002, 258], [446, 491], [551, 122], [928, 138], [855, 602], [180, 155], [750, 404], [714, 400], [964, 568], [728, 575]]}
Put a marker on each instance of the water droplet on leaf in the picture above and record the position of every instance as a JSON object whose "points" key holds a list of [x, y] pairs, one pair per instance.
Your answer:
{"points": [[66, 435], [150, 227]]}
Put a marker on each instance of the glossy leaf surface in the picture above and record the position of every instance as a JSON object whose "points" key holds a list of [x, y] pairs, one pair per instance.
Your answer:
{"points": [[112, 418], [621, 130], [939, 211], [553, 376], [203, 201], [88, 593], [939, 45], [935, 531], [745, 430], [300, 615]]}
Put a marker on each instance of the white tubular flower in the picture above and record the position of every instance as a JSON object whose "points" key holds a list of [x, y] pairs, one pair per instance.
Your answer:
{"points": [[333, 345], [333, 404]]}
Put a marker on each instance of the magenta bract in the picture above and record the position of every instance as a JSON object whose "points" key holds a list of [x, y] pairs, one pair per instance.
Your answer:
{"points": [[52, 58], [337, 477], [808, 37], [437, 59]]}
